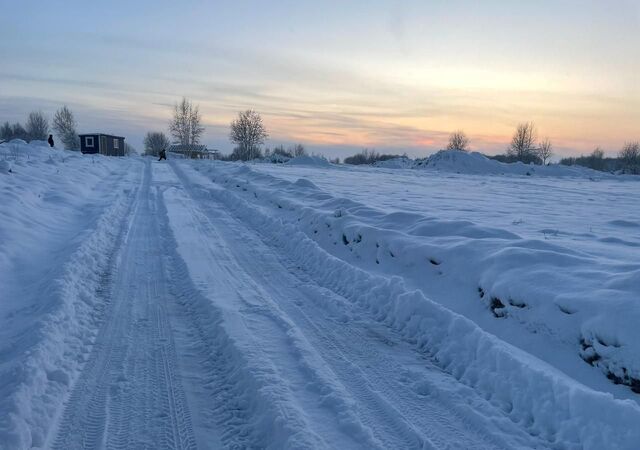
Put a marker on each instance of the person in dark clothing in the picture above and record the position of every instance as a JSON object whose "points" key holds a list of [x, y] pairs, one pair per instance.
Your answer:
{"points": [[162, 154], [50, 140]]}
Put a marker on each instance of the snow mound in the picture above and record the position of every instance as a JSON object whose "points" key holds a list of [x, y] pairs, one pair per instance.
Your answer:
{"points": [[316, 161], [18, 148], [37, 143], [395, 163], [462, 162], [305, 183], [274, 158], [474, 163]]}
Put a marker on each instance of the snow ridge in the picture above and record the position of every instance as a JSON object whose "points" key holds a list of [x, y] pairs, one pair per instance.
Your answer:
{"points": [[531, 392], [66, 332]]}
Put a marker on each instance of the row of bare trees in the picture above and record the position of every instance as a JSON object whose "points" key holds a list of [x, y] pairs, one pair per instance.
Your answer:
{"points": [[279, 151], [628, 160], [629, 157], [247, 132], [37, 128], [526, 148], [367, 156], [524, 145]]}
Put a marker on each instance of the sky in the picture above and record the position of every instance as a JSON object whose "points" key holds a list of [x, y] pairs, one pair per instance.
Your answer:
{"points": [[336, 76]]}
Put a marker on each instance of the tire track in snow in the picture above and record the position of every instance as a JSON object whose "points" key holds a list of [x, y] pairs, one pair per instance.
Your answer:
{"points": [[129, 394], [373, 411], [296, 405]]}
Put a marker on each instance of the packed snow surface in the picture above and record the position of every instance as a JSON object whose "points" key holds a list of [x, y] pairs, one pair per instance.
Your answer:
{"points": [[199, 304]]}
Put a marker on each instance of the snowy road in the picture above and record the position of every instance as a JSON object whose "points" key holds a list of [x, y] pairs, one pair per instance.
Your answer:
{"points": [[275, 361], [129, 393], [212, 306], [351, 381]]}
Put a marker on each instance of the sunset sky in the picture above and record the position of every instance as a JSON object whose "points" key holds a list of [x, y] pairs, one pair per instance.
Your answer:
{"points": [[337, 76]]}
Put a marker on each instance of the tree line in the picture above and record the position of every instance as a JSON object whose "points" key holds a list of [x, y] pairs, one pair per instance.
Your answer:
{"points": [[628, 160], [37, 128], [527, 148], [367, 156], [247, 132]]}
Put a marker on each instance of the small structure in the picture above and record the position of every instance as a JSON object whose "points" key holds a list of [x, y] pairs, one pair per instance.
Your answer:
{"points": [[193, 151], [104, 144]]}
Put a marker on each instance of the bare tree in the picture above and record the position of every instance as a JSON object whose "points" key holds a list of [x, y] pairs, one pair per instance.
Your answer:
{"points": [[248, 133], [186, 127], [154, 142], [280, 150], [545, 151], [298, 150], [596, 159], [458, 141], [5, 132], [522, 146], [598, 153], [630, 157], [37, 126], [65, 125], [18, 132], [15, 131]]}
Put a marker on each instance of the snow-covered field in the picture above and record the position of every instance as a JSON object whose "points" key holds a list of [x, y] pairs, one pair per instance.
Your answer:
{"points": [[188, 304]]}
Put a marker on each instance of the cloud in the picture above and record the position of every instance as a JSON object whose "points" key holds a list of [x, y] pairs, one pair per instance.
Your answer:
{"points": [[304, 96]]}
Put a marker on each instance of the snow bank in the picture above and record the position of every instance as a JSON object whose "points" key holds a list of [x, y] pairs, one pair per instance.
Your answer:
{"points": [[463, 162], [344, 245], [475, 163], [316, 161], [396, 163], [274, 158], [580, 305], [57, 235]]}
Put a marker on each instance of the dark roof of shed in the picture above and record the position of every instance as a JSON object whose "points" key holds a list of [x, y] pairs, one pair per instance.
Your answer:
{"points": [[101, 134]]}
